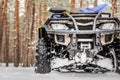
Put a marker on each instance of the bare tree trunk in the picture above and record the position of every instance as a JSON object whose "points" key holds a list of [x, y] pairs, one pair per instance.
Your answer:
{"points": [[40, 15], [6, 27], [17, 46], [1, 27], [38, 19], [32, 32], [3, 48], [114, 7], [26, 25], [81, 2], [72, 4], [87, 3], [45, 11], [28, 33], [95, 2], [29, 27], [33, 19]]}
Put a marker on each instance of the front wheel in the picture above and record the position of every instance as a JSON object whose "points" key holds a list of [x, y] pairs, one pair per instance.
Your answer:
{"points": [[108, 60], [115, 60], [116, 45], [42, 61]]}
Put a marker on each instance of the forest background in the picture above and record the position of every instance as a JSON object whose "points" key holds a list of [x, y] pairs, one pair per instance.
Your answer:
{"points": [[19, 20]]}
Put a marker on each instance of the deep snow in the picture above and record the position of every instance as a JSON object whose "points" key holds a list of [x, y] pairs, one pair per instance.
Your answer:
{"points": [[11, 73]]}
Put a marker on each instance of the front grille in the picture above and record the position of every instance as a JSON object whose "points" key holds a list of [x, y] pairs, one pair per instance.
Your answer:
{"points": [[85, 36], [89, 27], [85, 24]]}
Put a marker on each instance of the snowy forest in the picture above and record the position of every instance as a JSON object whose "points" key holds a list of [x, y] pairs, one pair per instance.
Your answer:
{"points": [[19, 20], [19, 34]]}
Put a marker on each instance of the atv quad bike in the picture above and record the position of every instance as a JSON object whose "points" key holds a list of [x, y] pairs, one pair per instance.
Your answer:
{"points": [[87, 42]]}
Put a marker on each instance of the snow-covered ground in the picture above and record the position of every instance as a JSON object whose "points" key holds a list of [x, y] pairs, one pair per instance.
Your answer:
{"points": [[11, 73]]}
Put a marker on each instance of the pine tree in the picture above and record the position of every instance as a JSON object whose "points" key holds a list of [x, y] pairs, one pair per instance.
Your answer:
{"points": [[72, 4], [114, 7], [1, 26], [95, 2], [16, 35], [45, 11], [6, 27], [81, 3], [29, 27]]}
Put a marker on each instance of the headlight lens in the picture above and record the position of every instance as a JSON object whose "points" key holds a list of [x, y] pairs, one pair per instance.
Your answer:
{"points": [[59, 26], [108, 26]]}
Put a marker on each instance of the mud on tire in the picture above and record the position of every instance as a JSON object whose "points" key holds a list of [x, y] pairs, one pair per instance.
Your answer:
{"points": [[42, 62]]}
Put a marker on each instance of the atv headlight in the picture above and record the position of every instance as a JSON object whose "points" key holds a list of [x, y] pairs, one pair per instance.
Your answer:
{"points": [[59, 27], [108, 26]]}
